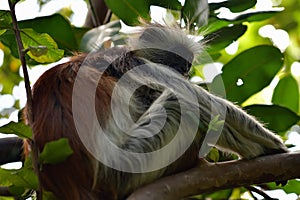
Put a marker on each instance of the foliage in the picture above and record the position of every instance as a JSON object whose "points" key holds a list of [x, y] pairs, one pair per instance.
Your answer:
{"points": [[245, 74]]}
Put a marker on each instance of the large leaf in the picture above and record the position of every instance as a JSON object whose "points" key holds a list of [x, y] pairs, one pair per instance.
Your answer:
{"points": [[57, 27], [286, 93], [223, 37], [19, 129], [250, 71], [55, 152], [129, 11], [276, 118], [46, 49], [195, 12], [95, 38], [169, 4], [233, 5]]}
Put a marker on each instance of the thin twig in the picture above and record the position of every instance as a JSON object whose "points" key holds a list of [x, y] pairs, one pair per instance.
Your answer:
{"points": [[22, 59], [260, 192], [30, 116]]}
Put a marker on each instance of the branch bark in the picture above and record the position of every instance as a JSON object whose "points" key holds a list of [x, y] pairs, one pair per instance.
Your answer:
{"points": [[205, 178], [208, 177]]}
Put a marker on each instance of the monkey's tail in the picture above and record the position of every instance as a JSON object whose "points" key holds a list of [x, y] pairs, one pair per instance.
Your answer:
{"points": [[241, 133]]}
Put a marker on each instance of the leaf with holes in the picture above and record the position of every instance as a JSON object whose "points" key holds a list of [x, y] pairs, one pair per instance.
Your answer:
{"points": [[250, 71]]}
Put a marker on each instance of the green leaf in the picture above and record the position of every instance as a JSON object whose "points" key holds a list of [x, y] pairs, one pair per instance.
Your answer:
{"points": [[129, 11], [23, 177], [94, 39], [31, 39], [292, 186], [55, 152], [286, 93], [249, 72], [19, 129], [169, 4], [5, 19], [213, 155], [258, 16], [57, 27], [276, 118], [223, 37], [233, 5], [195, 11], [215, 23], [16, 190]]}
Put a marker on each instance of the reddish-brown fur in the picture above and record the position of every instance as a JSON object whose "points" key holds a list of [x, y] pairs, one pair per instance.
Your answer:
{"points": [[52, 111]]}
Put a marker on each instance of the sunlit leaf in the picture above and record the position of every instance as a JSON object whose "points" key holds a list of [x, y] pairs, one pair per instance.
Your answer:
{"points": [[213, 155], [129, 11], [286, 93], [19, 129], [249, 72], [55, 152], [32, 39], [292, 186], [276, 118]]}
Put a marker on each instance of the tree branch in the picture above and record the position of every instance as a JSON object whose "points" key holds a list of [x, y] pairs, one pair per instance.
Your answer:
{"points": [[208, 177], [4, 191], [10, 150]]}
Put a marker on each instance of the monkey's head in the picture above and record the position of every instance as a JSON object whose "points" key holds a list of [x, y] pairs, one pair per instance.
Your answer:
{"points": [[167, 46]]}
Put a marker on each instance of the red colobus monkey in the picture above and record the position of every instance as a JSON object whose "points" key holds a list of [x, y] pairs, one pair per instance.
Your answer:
{"points": [[131, 117]]}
